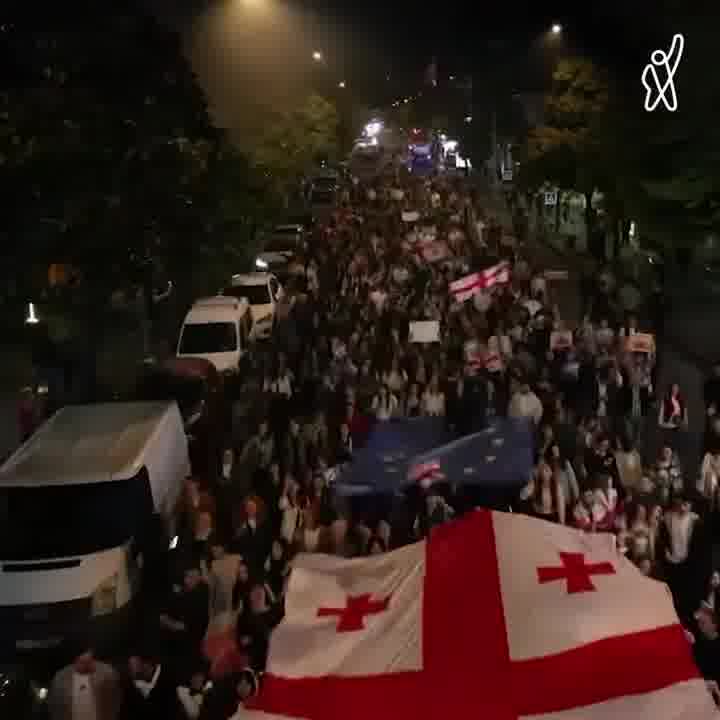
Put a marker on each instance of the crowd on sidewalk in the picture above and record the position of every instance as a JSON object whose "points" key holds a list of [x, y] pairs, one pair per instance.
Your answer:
{"points": [[341, 359]]}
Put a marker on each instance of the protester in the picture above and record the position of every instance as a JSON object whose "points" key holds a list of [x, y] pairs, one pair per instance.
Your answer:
{"points": [[343, 359], [86, 690]]}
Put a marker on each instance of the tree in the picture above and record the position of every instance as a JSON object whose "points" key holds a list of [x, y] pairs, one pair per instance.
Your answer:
{"points": [[568, 149], [111, 161], [297, 139], [669, 160]]}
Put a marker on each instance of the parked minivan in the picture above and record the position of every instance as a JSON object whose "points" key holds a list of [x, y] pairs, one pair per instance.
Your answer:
{"points": [[217, 329], [81, 505]]}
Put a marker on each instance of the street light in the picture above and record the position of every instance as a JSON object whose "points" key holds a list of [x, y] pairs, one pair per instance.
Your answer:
{"points": [[468, 119], [556, 29], [317, 56], [341, 85]]}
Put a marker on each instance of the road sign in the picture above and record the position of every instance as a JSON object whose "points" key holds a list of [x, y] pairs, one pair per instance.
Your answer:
{"points": [[551, 197]]}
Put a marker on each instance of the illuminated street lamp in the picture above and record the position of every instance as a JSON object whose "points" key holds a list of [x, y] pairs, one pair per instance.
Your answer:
{"points": [[317, 56], [556, 29], [468, 119]]}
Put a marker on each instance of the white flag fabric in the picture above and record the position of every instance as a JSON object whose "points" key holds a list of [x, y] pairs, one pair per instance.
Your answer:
{"points": [[497, 616]]}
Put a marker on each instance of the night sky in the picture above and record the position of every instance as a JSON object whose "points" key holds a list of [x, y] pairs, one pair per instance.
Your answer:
{"points": [[257, 53]]}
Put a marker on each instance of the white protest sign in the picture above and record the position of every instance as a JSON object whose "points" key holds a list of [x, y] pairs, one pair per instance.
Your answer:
{"points": [[425, 331], [410, 216], [640, 343]]}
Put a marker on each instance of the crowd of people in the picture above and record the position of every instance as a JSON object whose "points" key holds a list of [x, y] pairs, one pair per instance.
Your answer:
{"points": [[341, 359]]}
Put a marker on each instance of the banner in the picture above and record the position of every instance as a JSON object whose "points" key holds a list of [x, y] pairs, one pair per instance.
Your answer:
{"points": [[640, 343], [424, 331]]}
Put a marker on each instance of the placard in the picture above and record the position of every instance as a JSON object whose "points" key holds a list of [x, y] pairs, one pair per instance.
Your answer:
{"points": [[551, 198], [424, 331], [410, 216], [561, 339], [640, 343]]}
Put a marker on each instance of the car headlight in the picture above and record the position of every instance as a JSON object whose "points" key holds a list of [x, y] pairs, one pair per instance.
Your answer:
{"points": [[104, 599], [261, 264]]}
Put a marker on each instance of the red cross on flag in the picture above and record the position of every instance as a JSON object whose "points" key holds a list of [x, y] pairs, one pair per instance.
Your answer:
{"points": [[470, 285], [497, 616]]}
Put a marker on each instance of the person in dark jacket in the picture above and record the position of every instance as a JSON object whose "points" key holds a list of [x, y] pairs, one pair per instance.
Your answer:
{"points": [[153, 694], [185, 621]]}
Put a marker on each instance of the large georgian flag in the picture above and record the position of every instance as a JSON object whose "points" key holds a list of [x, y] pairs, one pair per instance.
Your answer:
{"points": [[497, 617]]}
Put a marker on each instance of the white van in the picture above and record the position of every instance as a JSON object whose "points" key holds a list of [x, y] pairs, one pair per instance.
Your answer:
{"points": [[217, 329], [77, 502]]}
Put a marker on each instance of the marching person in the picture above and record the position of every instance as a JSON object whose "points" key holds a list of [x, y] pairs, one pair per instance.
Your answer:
{"points": [[86, 690]]}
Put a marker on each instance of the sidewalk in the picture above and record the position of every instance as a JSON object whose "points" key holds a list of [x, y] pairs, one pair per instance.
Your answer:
{"points": [[564, 293]]}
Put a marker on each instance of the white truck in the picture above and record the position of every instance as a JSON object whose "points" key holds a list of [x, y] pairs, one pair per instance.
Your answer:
{"points": [[77, 502]]}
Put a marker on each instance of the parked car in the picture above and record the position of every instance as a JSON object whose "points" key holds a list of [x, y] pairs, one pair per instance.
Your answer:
{"points": [[262, 291], [280, 248], [217, 329]]}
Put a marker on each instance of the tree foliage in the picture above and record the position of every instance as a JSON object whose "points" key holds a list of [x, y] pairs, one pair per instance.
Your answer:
{"points": [[659, 168], [110, 159], [567, 149], [670, 160], [297, 139]]}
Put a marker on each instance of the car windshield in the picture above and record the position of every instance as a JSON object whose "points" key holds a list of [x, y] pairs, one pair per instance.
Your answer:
{"points": [[40, 523], [187, 392], [208, 338], [255, 294]]}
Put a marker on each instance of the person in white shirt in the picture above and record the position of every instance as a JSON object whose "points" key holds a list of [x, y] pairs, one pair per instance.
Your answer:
{"points": [[281, 384], [679, 531], [192, 696], [710, 477], [526, 404], [385, 404], [86, 690], [396, 379], [433, 400]]}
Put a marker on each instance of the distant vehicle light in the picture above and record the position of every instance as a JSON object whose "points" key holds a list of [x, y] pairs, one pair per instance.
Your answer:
{"points": [[260, 264]]}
